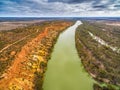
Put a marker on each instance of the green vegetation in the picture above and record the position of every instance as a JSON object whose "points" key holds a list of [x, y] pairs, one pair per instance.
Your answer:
{"points": [[99, 60], [97, 87], [38, 81]]}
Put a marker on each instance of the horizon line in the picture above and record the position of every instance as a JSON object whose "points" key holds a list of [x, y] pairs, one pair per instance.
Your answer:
{"points": [[64, 16]]}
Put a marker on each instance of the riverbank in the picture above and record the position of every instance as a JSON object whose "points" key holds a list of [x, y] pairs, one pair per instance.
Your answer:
{"points": [[99, 60], [27, 69]]}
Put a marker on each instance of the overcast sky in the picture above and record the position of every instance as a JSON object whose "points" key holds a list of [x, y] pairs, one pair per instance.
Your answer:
{"points": [[70, 8]]}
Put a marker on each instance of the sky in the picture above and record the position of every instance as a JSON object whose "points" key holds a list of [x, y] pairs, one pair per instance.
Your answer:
{"points": [[60, 8]]}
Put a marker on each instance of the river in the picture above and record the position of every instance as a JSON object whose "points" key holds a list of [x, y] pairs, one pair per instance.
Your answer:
{"points": [[65, 70]]}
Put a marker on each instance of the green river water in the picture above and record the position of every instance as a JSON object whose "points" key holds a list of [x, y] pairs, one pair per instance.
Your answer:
{"points": [[65, 70]]}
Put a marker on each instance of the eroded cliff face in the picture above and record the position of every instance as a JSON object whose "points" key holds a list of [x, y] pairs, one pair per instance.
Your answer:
{"points": [[27, 69]]}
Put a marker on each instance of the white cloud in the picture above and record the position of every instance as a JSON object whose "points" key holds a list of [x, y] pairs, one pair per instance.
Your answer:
{"points": [[44, 8]]}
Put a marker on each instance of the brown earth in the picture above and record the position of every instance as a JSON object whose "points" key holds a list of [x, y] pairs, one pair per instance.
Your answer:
{"points": [[17, 24]]}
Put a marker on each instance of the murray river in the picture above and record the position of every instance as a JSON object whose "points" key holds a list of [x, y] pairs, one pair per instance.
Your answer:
{"points": [[65, 70]]}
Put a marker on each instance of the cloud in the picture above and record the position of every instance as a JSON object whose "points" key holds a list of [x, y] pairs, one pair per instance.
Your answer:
{"points": [[70, 1], [100, 6], [60, 7]]}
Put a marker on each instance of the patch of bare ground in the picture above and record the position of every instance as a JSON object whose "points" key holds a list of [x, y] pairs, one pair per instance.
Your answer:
{"points": [[113, 23], [17, 24]]}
